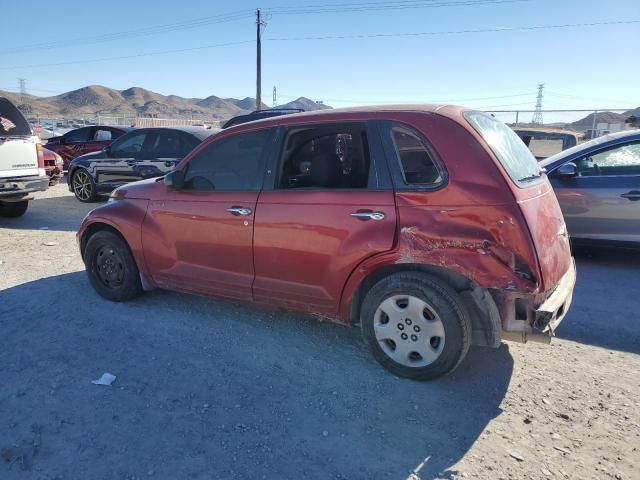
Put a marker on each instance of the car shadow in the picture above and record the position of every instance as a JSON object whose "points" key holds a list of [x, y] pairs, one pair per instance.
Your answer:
{"points": [[212, 389], [64, 213], [604, 311]]}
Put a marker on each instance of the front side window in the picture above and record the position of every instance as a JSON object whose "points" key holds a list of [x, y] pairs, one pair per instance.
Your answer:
{"points": [[509, 149], [234, 163], [129, 145], [624, 160], [416, 163], [327, 156]]}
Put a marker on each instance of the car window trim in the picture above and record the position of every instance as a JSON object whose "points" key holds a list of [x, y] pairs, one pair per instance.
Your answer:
{"points": [[268, 151], [395, 163], [376, 159]]}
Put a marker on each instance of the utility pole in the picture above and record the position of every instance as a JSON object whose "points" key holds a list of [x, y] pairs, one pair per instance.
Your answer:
{"points": [[275, 97], [258, 62], [537, 115]]}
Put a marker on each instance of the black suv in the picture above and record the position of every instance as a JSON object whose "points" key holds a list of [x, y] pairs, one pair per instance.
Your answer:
{"points": [[260, 114]]}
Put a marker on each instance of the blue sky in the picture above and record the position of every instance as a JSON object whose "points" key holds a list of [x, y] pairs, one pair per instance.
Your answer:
{"points": [[585, 67]]}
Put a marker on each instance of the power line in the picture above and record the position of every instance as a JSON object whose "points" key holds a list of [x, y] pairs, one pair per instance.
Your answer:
{"points": [[456, 32], [343, 100], [382, 6], [153, 30], [123, 57], [330, 37], [244, 14]]}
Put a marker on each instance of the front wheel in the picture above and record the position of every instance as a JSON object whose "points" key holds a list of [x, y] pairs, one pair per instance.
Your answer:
{"points": [[84, 188], [13, 209], [415, 325], [111, 267]]}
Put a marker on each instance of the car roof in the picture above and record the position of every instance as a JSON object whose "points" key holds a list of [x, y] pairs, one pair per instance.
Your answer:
{"points": [[259, 114], [199, 132], [339, 114], [604, 141]]}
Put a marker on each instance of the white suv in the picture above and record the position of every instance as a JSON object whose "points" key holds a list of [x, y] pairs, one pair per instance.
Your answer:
{"points": [[21, 162]]}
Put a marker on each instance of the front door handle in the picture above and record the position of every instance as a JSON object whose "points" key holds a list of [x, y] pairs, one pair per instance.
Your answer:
{"points": [[244, 211], [368, 215], [633, 195]]}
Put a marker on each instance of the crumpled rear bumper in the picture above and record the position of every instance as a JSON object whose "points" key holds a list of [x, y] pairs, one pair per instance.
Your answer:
{"points": [[539, 323]]}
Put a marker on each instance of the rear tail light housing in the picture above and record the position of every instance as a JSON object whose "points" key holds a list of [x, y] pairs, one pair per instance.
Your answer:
{"points": [[40, 150]]}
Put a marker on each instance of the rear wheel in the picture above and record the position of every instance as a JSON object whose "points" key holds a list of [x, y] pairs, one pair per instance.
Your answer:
{"points": [[84, 188], [415, 325], [13, 209], [111, 267]]}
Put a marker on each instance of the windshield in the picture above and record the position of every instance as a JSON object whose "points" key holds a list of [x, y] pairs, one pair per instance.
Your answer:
{"points": [[510, 150], [12, 122]]}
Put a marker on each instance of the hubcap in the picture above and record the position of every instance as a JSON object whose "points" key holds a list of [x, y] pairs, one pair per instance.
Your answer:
{"points": [[82, 185], [109, 267], [409, 331]]}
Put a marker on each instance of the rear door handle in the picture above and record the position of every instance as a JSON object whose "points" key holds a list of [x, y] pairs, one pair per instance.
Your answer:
{"points": [[244, 211], [368, 215], [633, 195]]}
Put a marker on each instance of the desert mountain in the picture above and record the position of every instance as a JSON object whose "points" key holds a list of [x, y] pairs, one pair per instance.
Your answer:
{"points": [[96, 99]]}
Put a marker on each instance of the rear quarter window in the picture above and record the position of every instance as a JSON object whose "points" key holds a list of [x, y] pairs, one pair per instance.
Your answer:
{"points": [[510, 150]]}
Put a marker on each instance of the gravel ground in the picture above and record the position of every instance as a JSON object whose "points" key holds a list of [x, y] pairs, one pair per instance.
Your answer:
{"points": [[208, 389]]}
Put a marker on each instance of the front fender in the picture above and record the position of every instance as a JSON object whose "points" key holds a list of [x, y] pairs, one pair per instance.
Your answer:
{"points": [[125, 217]]}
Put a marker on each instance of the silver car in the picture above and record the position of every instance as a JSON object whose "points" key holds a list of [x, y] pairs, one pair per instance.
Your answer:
{"points": [[598, 186]]}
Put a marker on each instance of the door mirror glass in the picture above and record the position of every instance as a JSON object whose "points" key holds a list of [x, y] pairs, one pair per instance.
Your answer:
{"points": [[174, 180], [567, 170]]}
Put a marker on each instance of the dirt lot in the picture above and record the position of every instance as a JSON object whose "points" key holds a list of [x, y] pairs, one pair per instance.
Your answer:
{"points": [[207, 389]]}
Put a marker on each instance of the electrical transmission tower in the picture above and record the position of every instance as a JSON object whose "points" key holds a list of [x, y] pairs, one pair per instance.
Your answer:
{"points": [[23, 90], [537, 115], [275, 97]]}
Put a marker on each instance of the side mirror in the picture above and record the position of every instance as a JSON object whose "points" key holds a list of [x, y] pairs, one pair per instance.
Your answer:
{"points": [[174, 180], [568, 170], [107, 150]]}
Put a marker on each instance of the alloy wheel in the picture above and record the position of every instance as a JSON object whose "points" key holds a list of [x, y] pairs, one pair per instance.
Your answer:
{"points": [[82, 185]]}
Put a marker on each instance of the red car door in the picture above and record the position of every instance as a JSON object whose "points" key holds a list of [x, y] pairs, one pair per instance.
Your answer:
{"points": [[200, 238], [330, 206]]}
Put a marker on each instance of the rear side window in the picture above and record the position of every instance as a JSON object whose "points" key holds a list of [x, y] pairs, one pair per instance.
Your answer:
{"points": [[234, 163], [12, 122], [325, 156], [416, 163], [510, 150]]}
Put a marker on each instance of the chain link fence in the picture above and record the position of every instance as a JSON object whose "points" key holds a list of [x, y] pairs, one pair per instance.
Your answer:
{"points": [[586, 123], [49, 126]]}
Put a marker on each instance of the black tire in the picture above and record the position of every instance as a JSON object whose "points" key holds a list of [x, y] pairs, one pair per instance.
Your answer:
{"points": [[441, 300], [83, 186], [13, 209], [111, 268]]}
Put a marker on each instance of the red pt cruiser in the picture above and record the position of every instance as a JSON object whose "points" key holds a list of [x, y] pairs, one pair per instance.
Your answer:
{"points": [[432, 227]]}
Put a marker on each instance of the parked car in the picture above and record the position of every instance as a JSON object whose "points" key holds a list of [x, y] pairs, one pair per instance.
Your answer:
{"points": [[53, 166], [22, 169], [598, 186], [432, 227], [260, 115], [84, 140], [544, 142], [141, 153]]}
